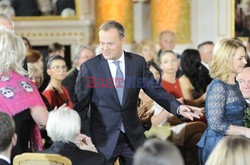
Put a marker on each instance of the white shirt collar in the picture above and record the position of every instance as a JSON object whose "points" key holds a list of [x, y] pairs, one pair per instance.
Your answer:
{"points": [[248, 101], [113, 68], [205, 64], [5, 158], [121, 59]]}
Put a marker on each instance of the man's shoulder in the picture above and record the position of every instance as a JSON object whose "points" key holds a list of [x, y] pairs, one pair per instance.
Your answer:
{"points": [[133, 55], [71, 73], [98, 58], [95, 59]]}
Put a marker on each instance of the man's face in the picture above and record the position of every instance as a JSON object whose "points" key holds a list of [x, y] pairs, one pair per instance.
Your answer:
{"points": [[207, 53], [111, 44], [6, 23], [167, 42], [85, 55], [244, 81]]}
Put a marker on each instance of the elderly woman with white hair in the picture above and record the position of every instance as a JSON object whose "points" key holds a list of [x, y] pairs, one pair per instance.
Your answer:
{"points": [[63, 127]]}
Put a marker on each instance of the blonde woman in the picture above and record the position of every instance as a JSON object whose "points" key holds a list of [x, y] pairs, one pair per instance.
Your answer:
{"points": [[231, 150], [19, 97], [224, 103], [147, 49]]}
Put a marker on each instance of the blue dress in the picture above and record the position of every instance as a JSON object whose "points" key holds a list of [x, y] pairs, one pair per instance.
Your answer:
{"points": [[224, 106]]}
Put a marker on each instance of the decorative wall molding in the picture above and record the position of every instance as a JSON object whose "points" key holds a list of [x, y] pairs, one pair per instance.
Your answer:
{"points": [[70, 32]]}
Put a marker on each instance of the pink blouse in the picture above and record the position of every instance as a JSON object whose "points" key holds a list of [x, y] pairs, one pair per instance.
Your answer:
{"points": [[18, 93]]}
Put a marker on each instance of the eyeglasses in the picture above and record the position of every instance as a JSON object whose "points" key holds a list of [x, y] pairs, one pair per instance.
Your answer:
{"points": [[58, 68]]}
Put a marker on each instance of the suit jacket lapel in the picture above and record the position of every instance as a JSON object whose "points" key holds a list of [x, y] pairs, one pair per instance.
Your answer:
{"points": [[129, 70], [107, 75], [75, 72]]}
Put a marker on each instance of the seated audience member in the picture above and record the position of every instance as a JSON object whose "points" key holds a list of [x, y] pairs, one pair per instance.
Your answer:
{"points": [[63, 128], [188, 134], [157, 152], [244, 81], [147, 49], [206, 52], [19, 97], [167, 40], [231, 150], [83, 53], [197, 74], [55, 93], [56, 49], [36, 75], [35, 57], [8, 138], [178, 87]]}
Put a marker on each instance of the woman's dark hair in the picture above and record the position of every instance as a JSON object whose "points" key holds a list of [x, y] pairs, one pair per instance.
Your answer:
{"points": [[53, 58], [194, 70], [55, 47], [154, 65], [28, 42]]}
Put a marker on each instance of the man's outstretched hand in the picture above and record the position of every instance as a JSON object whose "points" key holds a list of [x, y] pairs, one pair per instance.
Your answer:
{"points": [[191, 112]]}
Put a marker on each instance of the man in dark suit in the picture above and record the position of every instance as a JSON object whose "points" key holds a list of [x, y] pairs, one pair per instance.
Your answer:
{"points": [[8, 138], [206, 51], [110, 83], [83, 53]]}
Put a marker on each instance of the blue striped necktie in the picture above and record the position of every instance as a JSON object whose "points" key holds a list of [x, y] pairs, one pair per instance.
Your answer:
{"points": [[119, 81], [119, 86]]}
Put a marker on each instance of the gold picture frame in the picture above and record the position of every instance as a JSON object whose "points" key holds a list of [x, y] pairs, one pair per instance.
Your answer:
{"points": [[240, 20], [39, 18]]}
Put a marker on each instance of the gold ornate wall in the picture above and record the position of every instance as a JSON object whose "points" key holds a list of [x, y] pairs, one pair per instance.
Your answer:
{"points": [[119, 10], [171, 15]]}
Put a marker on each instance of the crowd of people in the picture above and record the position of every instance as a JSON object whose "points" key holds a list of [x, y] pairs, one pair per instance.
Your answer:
{"points": [[97, 112]]}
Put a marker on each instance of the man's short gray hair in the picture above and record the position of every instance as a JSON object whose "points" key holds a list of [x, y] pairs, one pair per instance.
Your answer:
{"points": [[111, 24], [78, 51]]}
